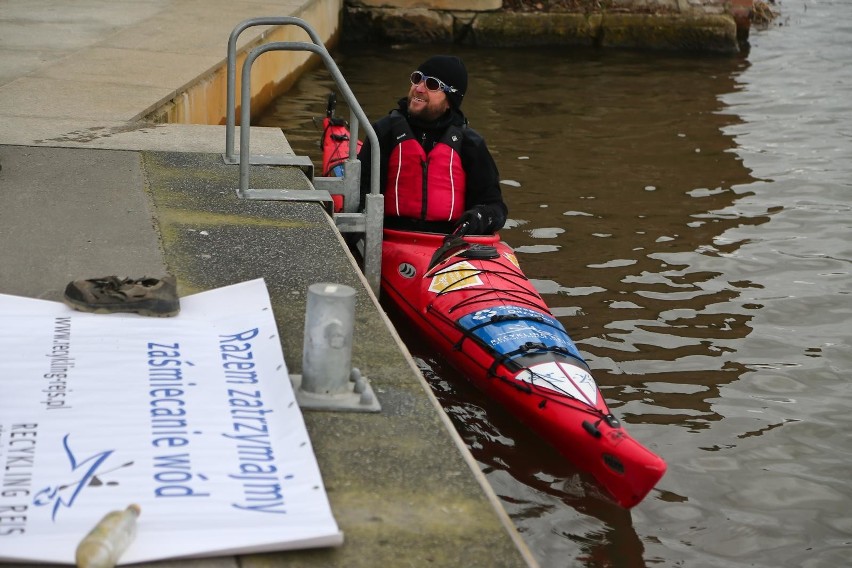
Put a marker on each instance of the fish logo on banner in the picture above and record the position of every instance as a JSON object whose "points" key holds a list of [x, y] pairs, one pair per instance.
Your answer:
{"points": [[86, 471]]}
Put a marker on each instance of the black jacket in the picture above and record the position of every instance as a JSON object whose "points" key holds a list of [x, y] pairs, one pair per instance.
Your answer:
{"points": [[483, 181]]}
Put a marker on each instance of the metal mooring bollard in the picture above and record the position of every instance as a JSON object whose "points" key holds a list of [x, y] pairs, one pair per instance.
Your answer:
{"points": [[327, 355], [328, 381]]}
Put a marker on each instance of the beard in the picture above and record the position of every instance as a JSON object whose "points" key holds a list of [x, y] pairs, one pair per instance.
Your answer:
{"points": [[429, 112]]}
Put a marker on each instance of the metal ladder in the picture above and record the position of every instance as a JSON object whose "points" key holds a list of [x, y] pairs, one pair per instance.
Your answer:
{"points": [[355, 218]]}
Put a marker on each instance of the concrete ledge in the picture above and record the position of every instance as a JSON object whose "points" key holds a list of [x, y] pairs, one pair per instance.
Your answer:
{"points": [[416, 25], [120, 74], [403, 487], [512, 29], [474, 5], [203, 101], [661, 27], [74, 133], [712, 34]]}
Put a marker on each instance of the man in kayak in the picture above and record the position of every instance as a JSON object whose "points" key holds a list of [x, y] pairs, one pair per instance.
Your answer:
{"points": [[437, 173]]}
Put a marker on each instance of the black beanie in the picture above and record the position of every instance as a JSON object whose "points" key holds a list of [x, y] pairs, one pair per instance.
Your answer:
{"points": [[451, 71]]}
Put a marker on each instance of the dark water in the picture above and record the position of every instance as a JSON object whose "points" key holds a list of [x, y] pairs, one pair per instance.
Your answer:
{"points": [[688, 220]]}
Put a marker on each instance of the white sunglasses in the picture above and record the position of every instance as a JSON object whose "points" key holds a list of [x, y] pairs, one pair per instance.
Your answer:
{"points": [[432, 83]]}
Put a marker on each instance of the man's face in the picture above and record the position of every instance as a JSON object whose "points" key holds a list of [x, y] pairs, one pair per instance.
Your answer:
{"points": [[426, 105]]}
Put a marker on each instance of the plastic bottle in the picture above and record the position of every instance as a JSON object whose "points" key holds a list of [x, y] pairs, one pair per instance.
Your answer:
{"points": [[105, 543]]}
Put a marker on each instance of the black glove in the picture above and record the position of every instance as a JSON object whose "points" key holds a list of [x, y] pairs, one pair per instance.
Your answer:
{"points": [[477, 222]]}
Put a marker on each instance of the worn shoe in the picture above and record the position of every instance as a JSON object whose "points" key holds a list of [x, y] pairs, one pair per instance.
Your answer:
{"points": [[107, 295]]}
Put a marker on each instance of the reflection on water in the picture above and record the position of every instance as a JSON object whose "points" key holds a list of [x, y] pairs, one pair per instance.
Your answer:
{"points": [[687, 219]]}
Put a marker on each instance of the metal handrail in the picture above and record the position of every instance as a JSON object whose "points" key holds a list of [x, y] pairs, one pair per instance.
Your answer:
{"points": [[230, 112], [354, 107], [373, 207]]}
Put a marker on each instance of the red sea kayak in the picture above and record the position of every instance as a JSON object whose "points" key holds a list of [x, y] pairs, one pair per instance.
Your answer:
{"points": [[469, 297], [475, 306]]}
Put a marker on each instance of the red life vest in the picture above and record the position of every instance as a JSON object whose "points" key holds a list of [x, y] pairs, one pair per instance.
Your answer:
{"points": [[425, 186]]}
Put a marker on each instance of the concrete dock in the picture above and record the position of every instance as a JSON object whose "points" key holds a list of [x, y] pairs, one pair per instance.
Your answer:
{"points": [[93, 183]]}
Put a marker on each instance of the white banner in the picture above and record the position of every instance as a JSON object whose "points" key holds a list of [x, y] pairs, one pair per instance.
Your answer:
{"points": [[191, 417]]}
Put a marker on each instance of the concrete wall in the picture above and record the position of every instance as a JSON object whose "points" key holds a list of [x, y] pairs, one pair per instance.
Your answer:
{"points": [[458, 5], [679, 6], [205, 102], [716, 26]]}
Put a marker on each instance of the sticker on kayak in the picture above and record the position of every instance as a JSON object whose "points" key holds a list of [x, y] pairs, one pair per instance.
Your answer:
{"points": [[407, 270], [456, 277], [563, 378], [512, 258], [507, 328]]}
